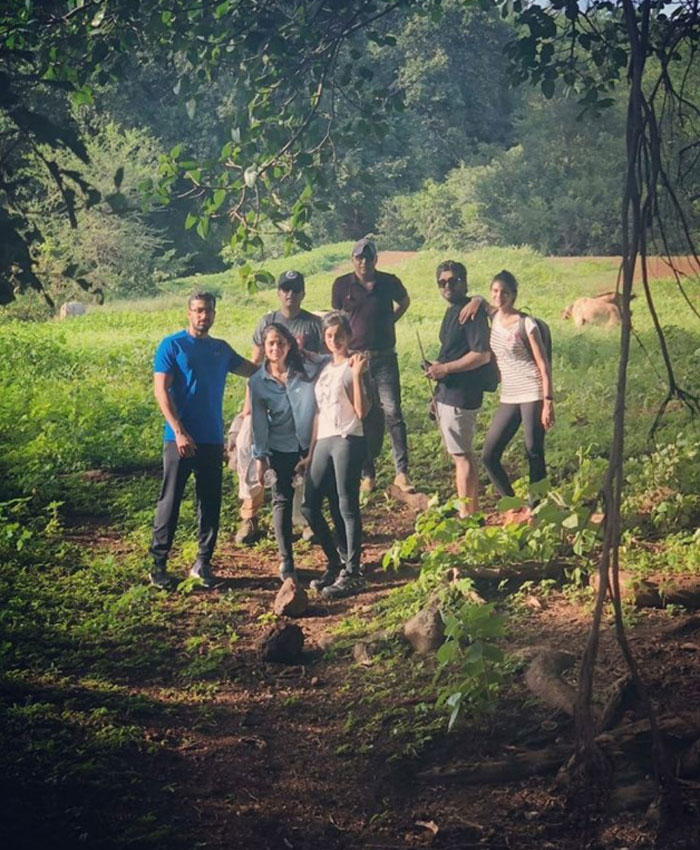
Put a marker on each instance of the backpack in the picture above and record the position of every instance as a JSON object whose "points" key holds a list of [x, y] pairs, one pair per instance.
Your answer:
{"points": [[545, 333], [488, 376]]}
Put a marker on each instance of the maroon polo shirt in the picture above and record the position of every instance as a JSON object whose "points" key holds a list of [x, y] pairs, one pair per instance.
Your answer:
{"points": [[371, 312]]}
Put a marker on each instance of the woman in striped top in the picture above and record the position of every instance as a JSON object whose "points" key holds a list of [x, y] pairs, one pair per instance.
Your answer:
{"points": [[526, 386]]}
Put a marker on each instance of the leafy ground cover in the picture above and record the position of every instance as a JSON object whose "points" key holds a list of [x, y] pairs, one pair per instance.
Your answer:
{"points": [[134, 719]]}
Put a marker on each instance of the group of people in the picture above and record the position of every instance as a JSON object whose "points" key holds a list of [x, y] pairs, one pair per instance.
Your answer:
{"points": [[319, 394]]}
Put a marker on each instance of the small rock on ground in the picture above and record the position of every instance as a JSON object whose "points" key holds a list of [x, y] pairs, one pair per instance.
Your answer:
{"points": [[282, 643], [291, 599], [425, 631]]}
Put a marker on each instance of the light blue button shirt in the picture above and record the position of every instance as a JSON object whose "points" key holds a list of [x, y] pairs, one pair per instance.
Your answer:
{"points": [[283, 416]]}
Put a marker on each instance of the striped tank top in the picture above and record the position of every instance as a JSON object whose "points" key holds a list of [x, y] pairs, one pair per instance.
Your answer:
{"points": [[521, 381]]}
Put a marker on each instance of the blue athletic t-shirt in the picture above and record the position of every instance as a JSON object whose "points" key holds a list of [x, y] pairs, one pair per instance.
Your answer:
{"points": [[199, 368]]}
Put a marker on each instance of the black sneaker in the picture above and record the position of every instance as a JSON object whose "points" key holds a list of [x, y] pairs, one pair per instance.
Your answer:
{"points": [[203, 572], [347, 584], [326, 580], [162, 579]]}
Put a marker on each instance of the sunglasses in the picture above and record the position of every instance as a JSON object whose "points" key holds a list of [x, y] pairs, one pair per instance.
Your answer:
{"points": [[450, 281], [295, 288]]}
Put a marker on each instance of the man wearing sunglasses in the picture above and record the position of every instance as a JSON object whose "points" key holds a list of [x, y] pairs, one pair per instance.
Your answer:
{"points": [[458, 370], [374, 301], [308, 331]]}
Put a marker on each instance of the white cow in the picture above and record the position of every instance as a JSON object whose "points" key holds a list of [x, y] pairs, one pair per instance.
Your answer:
{"points": [[71, 309]]}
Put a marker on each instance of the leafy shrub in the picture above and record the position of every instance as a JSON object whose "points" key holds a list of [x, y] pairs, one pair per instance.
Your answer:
{"points": [[117, 245]]}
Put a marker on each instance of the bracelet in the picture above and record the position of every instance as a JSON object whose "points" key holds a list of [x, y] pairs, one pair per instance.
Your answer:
{"points": [[549, 398]]}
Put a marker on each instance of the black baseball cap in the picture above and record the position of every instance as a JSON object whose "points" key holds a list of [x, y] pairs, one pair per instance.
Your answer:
{"points": [[365, 246], [291, 280]]}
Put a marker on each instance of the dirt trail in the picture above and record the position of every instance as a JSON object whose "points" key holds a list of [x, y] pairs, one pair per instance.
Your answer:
{"points": [[310, 756], [327, 754]]}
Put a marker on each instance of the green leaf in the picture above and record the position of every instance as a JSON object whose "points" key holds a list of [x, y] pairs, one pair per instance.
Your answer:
{"points": [[509, 503], [190, 221], [571, 521], [99, 16], [474, 652], [218, 198], [447, 652], [203, 227]]}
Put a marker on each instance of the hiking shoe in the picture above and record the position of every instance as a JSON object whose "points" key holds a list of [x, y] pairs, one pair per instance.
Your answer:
{"points": [[404, 483], [203, 572], [248, 532], [368, 484], [347, 584], [162, 579], [325, 580]]}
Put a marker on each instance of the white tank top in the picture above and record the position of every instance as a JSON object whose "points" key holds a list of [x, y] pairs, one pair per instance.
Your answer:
{"points": [[336, 414]]}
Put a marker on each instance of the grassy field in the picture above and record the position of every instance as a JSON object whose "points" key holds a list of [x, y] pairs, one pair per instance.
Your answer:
{"points": [[96, 666], [76, 395]]}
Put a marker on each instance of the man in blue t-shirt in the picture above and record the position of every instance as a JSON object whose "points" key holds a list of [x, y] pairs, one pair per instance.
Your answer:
{"points": [[189, 376]]}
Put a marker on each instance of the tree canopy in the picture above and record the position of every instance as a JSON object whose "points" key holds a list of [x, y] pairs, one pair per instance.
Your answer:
{"points": [[269, 111]]}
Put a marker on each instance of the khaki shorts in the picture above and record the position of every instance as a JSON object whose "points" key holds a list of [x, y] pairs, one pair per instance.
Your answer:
{"points": [[457, 426]]}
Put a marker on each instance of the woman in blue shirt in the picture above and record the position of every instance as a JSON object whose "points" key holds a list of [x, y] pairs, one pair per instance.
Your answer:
{"points": [[282, 409]]}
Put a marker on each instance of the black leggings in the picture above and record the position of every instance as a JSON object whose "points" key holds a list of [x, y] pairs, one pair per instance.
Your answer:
{"points": [[337, 460], [505, 423]]}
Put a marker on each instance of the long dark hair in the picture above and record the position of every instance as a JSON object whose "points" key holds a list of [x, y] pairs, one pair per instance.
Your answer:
{"points": [[295, 360]]}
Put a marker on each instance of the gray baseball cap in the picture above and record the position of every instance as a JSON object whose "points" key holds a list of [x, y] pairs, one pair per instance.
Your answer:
{"points": [[365, 246]]}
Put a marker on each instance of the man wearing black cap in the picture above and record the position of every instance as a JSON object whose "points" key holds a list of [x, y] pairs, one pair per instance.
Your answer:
{"points": [[374, 302], [307, 328]]}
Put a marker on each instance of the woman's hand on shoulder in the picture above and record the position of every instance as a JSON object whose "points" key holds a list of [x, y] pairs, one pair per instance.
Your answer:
{"points": [[358, 363], [470, 309]]}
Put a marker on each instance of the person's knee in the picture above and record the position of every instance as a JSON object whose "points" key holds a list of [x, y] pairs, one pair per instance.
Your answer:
{"points": [[489, 456], [392, 413], [349, 507], [534, 451]]}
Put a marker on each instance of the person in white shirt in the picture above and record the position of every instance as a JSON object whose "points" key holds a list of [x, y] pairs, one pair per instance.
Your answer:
{"points": [[337, 453]]}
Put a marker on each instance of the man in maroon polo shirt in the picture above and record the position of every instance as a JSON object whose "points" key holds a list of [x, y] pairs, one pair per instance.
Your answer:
{"points": [[374, 302]]}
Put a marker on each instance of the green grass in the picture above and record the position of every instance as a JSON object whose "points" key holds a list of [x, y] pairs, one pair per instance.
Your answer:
{"points": [[77, 395]]}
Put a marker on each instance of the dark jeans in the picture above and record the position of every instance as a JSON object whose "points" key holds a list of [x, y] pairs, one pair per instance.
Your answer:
{"points": [[385, 390], [337, 460], [282, 502], [505, 423], [207, 466]]}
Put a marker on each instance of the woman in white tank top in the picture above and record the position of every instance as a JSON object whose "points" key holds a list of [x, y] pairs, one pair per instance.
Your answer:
{"points": [[527, 394], [336, 457]]}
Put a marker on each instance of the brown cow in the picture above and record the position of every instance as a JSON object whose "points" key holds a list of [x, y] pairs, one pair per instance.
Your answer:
{"points": [[603, 308]]}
